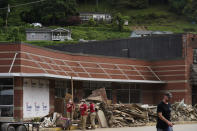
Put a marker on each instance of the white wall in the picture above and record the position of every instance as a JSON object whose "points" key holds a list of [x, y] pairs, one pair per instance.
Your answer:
{"points": [[35, 98]]}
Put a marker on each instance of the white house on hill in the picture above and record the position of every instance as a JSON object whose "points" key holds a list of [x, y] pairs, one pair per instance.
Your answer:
{"points": [[59, 34]]}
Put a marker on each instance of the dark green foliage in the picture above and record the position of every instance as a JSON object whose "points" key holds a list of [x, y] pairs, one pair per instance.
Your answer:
{"points": [[14, 35], [136, 4], [92, 22], [177, 5], [140, 4], [190, 10], [118, 21], [53, 12]]}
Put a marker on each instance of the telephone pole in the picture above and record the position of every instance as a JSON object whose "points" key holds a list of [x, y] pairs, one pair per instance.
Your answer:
{"points": [[6, 21]]}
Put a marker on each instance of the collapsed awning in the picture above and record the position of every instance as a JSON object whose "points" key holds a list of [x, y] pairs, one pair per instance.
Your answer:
{"points": [[31, 62]]}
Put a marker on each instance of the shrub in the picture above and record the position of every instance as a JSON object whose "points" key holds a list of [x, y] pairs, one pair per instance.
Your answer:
{"points": [[92, 22]]}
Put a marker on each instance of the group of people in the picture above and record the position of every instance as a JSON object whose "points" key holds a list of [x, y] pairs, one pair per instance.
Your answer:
{"points": [[84, 108]]}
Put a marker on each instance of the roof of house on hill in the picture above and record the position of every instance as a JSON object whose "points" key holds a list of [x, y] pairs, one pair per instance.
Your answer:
{"points": [[46, 30]]}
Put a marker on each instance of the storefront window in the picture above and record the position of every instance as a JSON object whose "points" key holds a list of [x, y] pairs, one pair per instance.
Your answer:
{"points": [[61, 88], [129, 93], [6, 97]]}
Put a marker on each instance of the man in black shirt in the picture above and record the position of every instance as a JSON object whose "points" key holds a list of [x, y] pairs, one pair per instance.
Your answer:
{"points": [[164, 114]]}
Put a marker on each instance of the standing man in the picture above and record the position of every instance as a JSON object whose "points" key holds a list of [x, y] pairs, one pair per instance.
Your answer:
{"points": [[83, 111], [92, 115], [70, 109], [164, 113]]}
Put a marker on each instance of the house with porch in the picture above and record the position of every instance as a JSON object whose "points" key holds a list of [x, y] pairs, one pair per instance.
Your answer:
{"points": [[59, 34]]}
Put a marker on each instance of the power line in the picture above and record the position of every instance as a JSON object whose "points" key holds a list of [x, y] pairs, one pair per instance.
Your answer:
{"points": [[23, 4]]}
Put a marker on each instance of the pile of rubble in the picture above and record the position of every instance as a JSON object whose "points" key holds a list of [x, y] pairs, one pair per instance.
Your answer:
{"points": [[119, 115], [183, 112]]}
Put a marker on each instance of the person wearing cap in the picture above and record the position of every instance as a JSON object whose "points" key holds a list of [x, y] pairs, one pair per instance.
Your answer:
{"points": [[92, 115], [164, 113], [83, 111], [69, 109]]}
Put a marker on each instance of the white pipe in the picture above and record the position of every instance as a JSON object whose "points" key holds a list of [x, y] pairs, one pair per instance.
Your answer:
{"points": [[13, 62]]}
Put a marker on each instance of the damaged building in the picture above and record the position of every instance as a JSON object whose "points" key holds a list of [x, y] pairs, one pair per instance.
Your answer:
{"points": [[136, 70]]}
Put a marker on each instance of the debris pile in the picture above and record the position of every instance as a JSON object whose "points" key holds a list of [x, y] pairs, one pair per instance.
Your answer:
{"points": [[183, 112], [119, 115]]}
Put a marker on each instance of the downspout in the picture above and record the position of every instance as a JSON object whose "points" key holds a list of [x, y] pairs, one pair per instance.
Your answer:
{"points": [[13, 62]]}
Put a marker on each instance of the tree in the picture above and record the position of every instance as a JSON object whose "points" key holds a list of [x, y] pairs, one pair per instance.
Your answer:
{"points": [[177, 6], [118, 21], [52, 12], [14, 35], [190, 10]]}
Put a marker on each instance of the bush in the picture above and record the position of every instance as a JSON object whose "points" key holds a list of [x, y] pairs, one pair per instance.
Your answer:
{"points": [[14, 35], [92, 22]]}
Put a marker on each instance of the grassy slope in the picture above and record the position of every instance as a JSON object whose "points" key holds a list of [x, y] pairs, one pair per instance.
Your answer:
{"points": [[163, 19]]}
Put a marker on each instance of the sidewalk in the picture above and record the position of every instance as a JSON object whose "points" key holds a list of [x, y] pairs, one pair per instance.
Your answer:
{"points": [[179, 126]]}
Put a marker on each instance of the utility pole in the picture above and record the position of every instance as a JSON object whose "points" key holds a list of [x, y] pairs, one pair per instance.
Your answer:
{"points": [[72, 86], [72, 97], [6, 21]]}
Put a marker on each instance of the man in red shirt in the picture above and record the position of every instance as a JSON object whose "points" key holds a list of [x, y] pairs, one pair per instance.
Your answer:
{"points": [[92, 115], [69, 109], [83, 111]]}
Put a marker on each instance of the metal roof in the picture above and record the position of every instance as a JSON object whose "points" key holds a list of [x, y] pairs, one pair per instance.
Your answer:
{"points": [[47, 30]]}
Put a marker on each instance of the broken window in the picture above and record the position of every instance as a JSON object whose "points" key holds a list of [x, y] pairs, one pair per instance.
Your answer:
{"points": [[129, 93], [90, 86], [61, 88], [6, 97]]}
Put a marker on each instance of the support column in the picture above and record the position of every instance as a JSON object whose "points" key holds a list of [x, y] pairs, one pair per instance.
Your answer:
{"points": [[18, 98], [51, 95]]}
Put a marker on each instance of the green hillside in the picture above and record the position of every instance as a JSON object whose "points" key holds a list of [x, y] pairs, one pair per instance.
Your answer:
{"points": [[177, 16]]}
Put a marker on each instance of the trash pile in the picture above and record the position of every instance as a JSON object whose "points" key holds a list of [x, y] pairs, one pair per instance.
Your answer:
{"points": [[183, 112], [119, 115], [131, 115]]}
